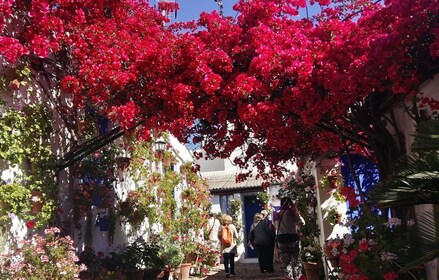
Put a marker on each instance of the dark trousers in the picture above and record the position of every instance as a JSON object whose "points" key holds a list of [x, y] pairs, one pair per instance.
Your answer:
{"points": [[265, 257], [229, 262]]}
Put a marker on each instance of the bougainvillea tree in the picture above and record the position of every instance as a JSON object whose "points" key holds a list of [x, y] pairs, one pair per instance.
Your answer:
{"points": [[275, 84]]}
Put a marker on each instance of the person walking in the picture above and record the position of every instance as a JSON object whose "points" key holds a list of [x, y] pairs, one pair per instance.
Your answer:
{"points": [[256, 219], [262, 237], [288, 221], [213, 226], [228, 236]]}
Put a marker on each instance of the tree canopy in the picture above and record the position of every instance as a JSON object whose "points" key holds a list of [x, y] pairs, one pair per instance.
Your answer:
{"points": [[276, 85]]}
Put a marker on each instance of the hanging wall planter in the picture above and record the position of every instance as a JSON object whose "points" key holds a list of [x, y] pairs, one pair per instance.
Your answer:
{"points": [[332, 181], [37, 201], [167, 161], [158, 155], [123, 163]]}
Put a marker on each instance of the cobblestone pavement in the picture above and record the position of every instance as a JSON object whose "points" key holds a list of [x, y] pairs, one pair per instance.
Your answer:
{"points": [[244, 271]]}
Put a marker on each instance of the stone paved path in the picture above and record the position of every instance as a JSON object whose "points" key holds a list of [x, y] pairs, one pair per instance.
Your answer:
{"points": [[244, 271]]}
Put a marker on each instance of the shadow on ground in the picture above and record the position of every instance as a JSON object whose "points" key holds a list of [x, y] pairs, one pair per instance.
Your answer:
{"points": [[244, 271]]}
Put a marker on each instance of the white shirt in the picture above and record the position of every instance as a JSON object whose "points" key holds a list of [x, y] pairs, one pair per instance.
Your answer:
{"points": [[215, 225]]}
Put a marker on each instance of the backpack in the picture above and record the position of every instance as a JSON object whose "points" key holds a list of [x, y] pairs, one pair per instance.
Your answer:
{"points": [[226, 236]]}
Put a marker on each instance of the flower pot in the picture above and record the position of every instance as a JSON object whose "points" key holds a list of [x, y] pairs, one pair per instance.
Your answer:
{"points": [[332, 180], [177, 272], [182, 170], [167, 161], [184, 271], [123, 163], [37, 204], [158, 155], [313, 271]]}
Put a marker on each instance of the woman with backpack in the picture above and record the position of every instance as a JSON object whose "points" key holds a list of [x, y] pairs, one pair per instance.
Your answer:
{"points": [[228, 236]]}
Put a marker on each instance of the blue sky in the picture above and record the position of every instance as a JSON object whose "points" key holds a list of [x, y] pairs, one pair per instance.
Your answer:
{"points": [[191, 9]]}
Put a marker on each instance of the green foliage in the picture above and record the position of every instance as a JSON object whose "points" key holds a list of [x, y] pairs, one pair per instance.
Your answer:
{"points": [[415, 182], [170, 251], [300, 188], [311, 252], [25, 142], [168, 206], [14, 198], [139, 205], [263, 197], [333, 216], [141, 255], [235, 209]]}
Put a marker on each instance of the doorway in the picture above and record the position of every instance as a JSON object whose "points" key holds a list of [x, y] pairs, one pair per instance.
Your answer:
{"points": [[251, 207]]}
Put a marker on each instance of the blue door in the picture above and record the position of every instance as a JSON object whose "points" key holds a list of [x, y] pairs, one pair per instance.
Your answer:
{"points": [[251, 207]]}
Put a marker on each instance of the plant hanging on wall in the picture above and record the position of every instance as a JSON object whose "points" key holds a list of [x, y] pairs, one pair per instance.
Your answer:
{"points": [[25, 143]]}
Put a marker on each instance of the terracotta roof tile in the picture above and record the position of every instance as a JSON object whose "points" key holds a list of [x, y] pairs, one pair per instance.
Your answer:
{"points": [[226, 180]]}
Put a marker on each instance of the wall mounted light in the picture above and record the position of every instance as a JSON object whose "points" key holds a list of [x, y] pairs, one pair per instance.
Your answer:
{"points": [[160, 145]]}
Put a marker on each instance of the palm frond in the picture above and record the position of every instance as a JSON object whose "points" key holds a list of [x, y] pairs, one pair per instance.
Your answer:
{"points": [[427, 137], [424, 244], [416, 177], [414, 182]]}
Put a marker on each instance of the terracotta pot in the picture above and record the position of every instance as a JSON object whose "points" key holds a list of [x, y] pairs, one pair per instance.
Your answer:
{"points": [[158, 155], [38, 204], [167, 161], [314, 271], [123, 163], [177, 272], [184, 271], [332, 180]]}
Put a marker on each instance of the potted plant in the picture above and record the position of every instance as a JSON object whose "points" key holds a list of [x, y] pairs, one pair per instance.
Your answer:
{"points": [[138, 206], [263, 197], [190, 250], [167, 157], [312, 262], [142, 260], [171, 254], [332, 250]]}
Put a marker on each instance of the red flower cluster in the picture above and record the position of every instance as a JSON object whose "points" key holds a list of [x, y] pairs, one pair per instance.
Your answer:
{"points": [[346, 262], [30, 224], [266, 77], [350, 195]]}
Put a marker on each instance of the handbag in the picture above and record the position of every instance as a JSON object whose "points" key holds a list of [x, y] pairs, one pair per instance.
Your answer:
{"points": [[206, 235]]}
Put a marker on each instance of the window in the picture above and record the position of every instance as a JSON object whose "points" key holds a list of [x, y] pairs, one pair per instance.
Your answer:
{"points": [[225, 203]]}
